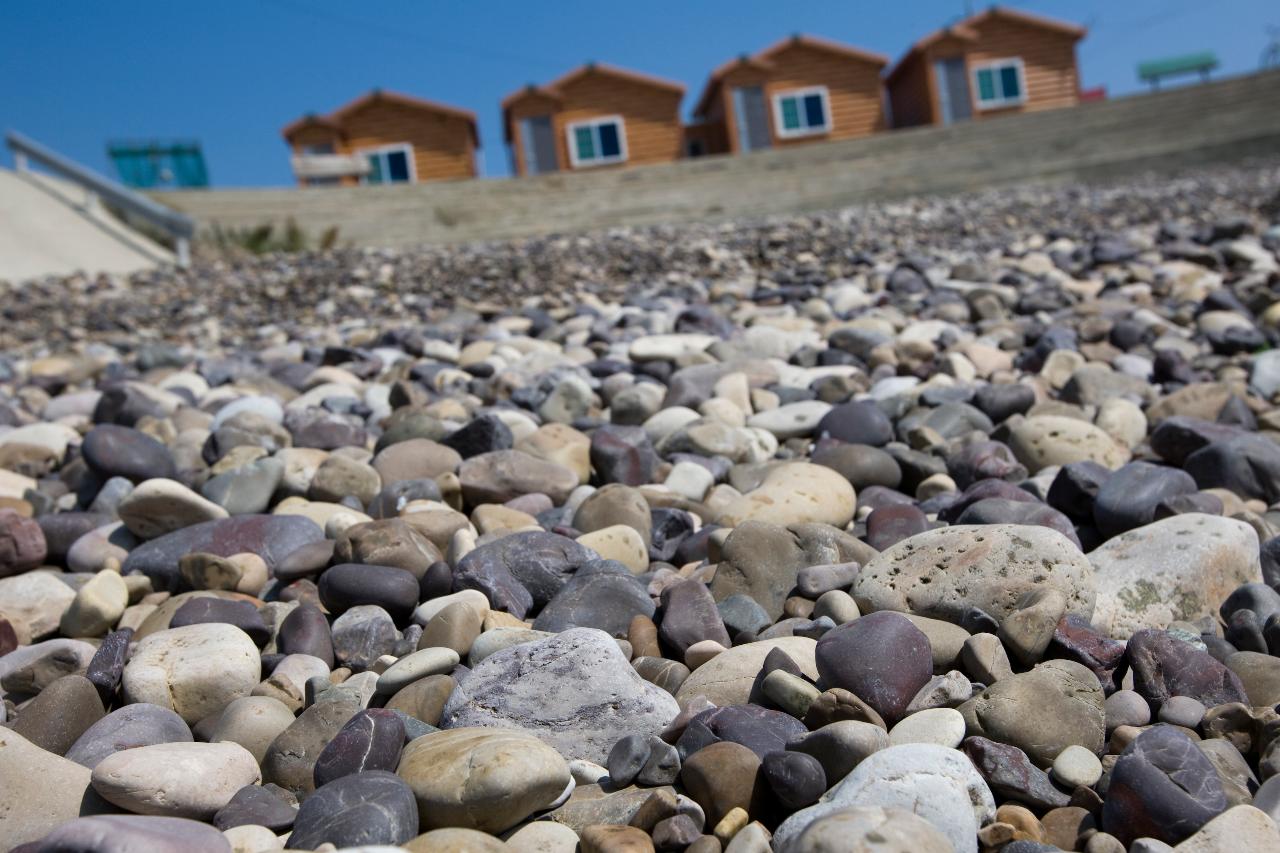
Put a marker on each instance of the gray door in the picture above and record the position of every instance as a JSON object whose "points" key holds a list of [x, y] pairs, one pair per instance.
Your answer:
{"points": [[953, 90], [539, 145], [752, 118]]}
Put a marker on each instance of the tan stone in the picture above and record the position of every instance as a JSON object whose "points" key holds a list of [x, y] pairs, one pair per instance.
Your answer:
{"points": [[485, 779], [619, 542], [795, 493], [562, 444]]}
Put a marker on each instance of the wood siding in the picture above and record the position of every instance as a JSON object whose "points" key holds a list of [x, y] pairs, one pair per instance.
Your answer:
{"points": [[853, 91], [854, 94], [1048, 58], [317, 134], [702, 133], [910, 101], [442, 144], [1051, 75], [714, 129], [650, 118]]}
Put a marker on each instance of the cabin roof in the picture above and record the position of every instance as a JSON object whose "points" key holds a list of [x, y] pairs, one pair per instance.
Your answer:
{"points": [[763, 60]]}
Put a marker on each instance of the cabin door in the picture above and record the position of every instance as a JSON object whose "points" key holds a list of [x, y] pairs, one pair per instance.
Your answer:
{"points": [[539, 145], [953, 90], [752, 118]]}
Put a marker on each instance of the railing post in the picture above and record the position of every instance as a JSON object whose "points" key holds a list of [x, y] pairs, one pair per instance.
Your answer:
{"points": [[98, 189]]}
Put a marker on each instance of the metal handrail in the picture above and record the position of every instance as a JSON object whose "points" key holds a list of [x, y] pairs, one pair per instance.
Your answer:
{"points": [[177, 225]]}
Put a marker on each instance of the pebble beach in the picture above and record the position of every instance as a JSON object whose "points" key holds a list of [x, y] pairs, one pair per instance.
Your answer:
{"points": [[947, 525]]}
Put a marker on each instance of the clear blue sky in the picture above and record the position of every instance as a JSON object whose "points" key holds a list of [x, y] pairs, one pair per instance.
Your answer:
{"points": [[231, 73]]}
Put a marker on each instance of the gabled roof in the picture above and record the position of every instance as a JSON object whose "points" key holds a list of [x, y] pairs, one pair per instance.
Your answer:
{"points": [[967, 30], [763, 61], [336, 119], [555, 89], [309, 120], [581, 71], [846, 50]]}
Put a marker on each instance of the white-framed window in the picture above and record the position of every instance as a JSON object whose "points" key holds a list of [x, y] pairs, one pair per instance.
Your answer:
{"points": [[999, 83], [802, 112], [597, 141], [389, 164]]}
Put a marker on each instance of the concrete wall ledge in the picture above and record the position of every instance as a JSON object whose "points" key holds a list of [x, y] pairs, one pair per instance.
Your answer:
{"points": [[1226, 120]]}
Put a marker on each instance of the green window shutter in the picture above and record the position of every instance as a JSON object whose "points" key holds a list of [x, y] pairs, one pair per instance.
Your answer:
{"points": [[375, 169], [1009, 81], [790, 114], [986, 84], [586, 143]]}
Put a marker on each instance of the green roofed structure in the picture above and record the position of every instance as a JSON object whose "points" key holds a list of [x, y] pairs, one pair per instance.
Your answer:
{"points": [[1192, 63], [158, 165]]}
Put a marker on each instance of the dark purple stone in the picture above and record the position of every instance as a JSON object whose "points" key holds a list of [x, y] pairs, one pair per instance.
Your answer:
{"points": [[1129, 497], [1176, 438], [623, 454], [1000, 511], [305, 631], [1258, 597], [1074, 489], [121, 451], [602, 594], [1205, 502], [1165, 666], [984, 490], [62, 529], [1000, 401], [370, 740], [232, 611], [889, 525], [271, 537], [348, 585], [140, 724], [261, 805], [1162, 787], [364, 809], [1011, 775], [480, 435], [881, 658], [323, 430], [131, 834], [670, 528], [689, 615], [796, 778], [877, 497], [1075, 639], [857, 422], [522, 569], [984, 460], [106, 667], [1248, 465], [759, 729], [22, 545]]}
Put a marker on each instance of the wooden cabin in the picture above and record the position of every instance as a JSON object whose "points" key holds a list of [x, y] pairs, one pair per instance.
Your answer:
{"points": [[802, 89], [994, 63], [384, 138], [594, 116]]}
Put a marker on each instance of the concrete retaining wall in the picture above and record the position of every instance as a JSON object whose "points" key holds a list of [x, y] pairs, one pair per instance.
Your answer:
{"points": [[1226, 120]]}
